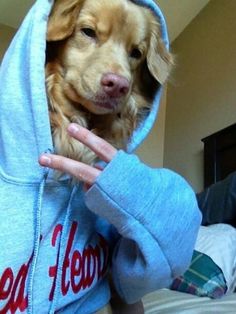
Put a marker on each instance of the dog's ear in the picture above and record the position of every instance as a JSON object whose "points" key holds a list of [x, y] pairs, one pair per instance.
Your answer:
{"points": [[159, 59], [62, 19]]}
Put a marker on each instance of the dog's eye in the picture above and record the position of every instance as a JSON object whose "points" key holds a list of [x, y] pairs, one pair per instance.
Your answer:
{"points": [[136, 53], [89, 32]]}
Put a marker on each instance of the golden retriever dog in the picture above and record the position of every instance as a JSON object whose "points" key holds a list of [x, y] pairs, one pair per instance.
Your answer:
{"points": [[104, 61]]}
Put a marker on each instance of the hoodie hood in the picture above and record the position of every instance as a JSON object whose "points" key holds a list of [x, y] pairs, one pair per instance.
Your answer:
{"points": [[145, 127], [24, 120]]}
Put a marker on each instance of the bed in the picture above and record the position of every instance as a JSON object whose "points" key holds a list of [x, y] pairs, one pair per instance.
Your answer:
{"points": [[217, 238]]}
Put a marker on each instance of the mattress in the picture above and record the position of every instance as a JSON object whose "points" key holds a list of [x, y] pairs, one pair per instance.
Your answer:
{"points": [[167, 301]]}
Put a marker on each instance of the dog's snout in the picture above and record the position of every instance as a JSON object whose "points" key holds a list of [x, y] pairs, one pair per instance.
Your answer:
{"points": [[115, 85]]}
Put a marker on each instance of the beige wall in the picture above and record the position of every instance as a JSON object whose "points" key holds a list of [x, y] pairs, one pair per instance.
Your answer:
{"points": [[6, 33], [202, 98]]}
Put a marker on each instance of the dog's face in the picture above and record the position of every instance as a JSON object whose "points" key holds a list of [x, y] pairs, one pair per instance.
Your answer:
{"points": [[104, 46]]}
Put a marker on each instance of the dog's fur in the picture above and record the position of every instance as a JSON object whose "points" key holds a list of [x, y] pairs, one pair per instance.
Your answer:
{"points": [[88, 40]]}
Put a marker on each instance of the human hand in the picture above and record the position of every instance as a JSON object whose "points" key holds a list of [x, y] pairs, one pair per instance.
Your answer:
{"points": [[79, 170]]}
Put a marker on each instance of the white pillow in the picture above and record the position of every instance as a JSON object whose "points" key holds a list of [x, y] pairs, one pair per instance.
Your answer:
{"points": [[219, 243]]}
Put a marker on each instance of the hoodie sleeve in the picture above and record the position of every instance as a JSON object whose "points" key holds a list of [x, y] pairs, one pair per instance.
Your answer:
{"points": [[156, 213]]}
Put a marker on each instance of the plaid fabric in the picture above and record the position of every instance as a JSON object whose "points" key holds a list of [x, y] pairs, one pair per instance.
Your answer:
{"points": [[203, 278]]}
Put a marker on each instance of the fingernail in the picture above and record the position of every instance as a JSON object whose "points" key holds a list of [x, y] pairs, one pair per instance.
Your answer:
{"points": [[45, 160], [73, 128]]}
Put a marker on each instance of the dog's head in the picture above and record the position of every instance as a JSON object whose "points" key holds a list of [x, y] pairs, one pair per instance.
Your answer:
{"points": [[105, 49]]}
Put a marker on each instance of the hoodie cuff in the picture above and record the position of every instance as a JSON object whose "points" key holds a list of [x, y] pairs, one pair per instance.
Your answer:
{"points": [[120, 193]]}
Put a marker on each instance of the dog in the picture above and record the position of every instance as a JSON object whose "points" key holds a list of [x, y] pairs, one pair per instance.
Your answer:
{"points": [[104, 62]]}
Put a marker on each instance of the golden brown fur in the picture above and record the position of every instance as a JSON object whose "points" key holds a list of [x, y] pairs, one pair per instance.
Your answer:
{"points": [[93, 44]]}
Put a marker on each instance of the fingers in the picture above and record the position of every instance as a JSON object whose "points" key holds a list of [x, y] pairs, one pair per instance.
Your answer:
{"points": [[100, 147], [80, 171]]}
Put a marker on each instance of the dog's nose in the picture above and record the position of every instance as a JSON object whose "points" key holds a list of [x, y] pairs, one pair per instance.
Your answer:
{"points": [[115, 85]]}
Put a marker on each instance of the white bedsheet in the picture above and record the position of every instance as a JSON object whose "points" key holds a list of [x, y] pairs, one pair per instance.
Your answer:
{"points": [[172, 302]]}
